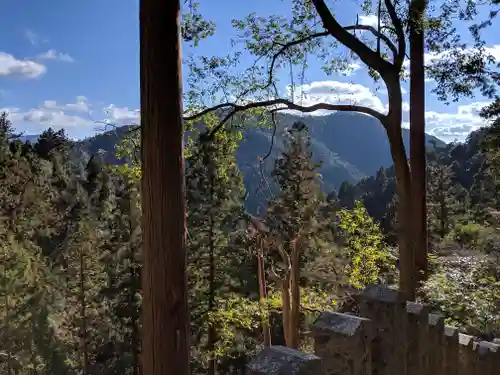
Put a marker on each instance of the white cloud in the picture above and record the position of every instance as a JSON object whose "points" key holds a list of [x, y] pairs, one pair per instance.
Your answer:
{"points": [[31, 36], [444, 125], [494, 51], [81, 105], [9, 65], [52, 54], [334, 92], [351, 69], [74, 118], [370, 20], [36, 120], [122, 115], [429, 58], [451, 126]]}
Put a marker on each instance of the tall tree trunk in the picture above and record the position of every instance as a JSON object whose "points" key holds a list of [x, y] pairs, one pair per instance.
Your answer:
{"points": [[134, 323], [417, 136], [83, 316], [212, 330], [295, 301], [407, 277], [285, 301], [266, 330], [443, 210], [165, 304], [7, 316]]}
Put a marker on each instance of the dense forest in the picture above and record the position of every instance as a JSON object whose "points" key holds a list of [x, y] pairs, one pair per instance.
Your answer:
{"points": [[334, 142], [71, 248], [280, 217]]}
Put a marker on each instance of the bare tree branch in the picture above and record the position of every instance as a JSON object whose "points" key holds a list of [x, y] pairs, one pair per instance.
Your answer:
{"points": [[400, 33], [378, 34], [282, 50], [371, 58], [287, 104]]}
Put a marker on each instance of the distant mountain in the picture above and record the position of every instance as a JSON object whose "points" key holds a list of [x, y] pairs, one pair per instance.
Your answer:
{"points": [[32, 138], [351, 146]]}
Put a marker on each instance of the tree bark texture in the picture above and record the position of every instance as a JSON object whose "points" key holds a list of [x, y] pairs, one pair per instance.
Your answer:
{"points": [[266, 330], [407, 279], [164, 282], [295, 293], [389, 72], [417, 136]]}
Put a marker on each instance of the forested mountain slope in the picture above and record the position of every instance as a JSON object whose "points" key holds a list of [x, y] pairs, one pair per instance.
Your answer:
{"points": [[457, 170], [350, 147]]}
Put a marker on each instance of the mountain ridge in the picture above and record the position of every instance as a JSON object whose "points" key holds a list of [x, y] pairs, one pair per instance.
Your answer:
{"points": [[350, 146]]}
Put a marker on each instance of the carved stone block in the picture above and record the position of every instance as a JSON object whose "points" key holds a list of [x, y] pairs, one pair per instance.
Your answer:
{"points": [[344, 342], [387, 310], [280, 360]]}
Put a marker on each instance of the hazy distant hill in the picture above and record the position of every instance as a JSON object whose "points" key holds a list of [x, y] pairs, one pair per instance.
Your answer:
{"points": [[350, 146], [29, 138]]}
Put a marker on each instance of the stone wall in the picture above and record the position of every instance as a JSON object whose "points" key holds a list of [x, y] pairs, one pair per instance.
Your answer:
{"points": [[391, 337]]}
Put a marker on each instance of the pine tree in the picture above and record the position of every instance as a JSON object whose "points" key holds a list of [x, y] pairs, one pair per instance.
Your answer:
{"points": [[121, 292], [214, 197], [293, 217], [443, 197]]}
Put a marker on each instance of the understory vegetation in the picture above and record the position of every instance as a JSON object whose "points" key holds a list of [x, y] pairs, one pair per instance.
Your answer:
{"points": [[71, 251], [71, 223]]}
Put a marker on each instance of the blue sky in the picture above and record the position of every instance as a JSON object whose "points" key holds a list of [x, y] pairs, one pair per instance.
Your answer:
{"points": [[67, 64]]}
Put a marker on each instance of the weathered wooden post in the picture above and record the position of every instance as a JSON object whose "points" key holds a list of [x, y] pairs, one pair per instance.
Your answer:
{"points": [[344, 342]]}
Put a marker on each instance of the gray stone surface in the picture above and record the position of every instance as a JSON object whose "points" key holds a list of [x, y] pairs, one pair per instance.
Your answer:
{"points": [[464, 339], [450, 331], [486, 347], [384, 294], [339, 323], [436, 320], [414, 308], [280, 360]]}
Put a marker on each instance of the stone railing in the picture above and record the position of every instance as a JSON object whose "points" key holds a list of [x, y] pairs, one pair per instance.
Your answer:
{"points": [[392, 337]]}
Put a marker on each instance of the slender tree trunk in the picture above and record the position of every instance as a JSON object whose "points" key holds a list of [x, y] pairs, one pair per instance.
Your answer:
{"points": [[212, 331], [7, 313], [266, 330], [165, 308], [407, 277], [417, 136], [285, 300], [295, 302], [134, 323], [83, 316], [443, 211]]}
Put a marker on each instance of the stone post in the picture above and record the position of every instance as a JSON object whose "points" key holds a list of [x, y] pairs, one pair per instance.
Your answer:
{"points": [[450, 351], [386, 308], [435, 342], [466, 354], [487, 358], [280, 360], [418, 351], [344, 342]]}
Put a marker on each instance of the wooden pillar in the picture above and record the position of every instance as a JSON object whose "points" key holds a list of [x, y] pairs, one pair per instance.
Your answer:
{"points": [[165, 347]]}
